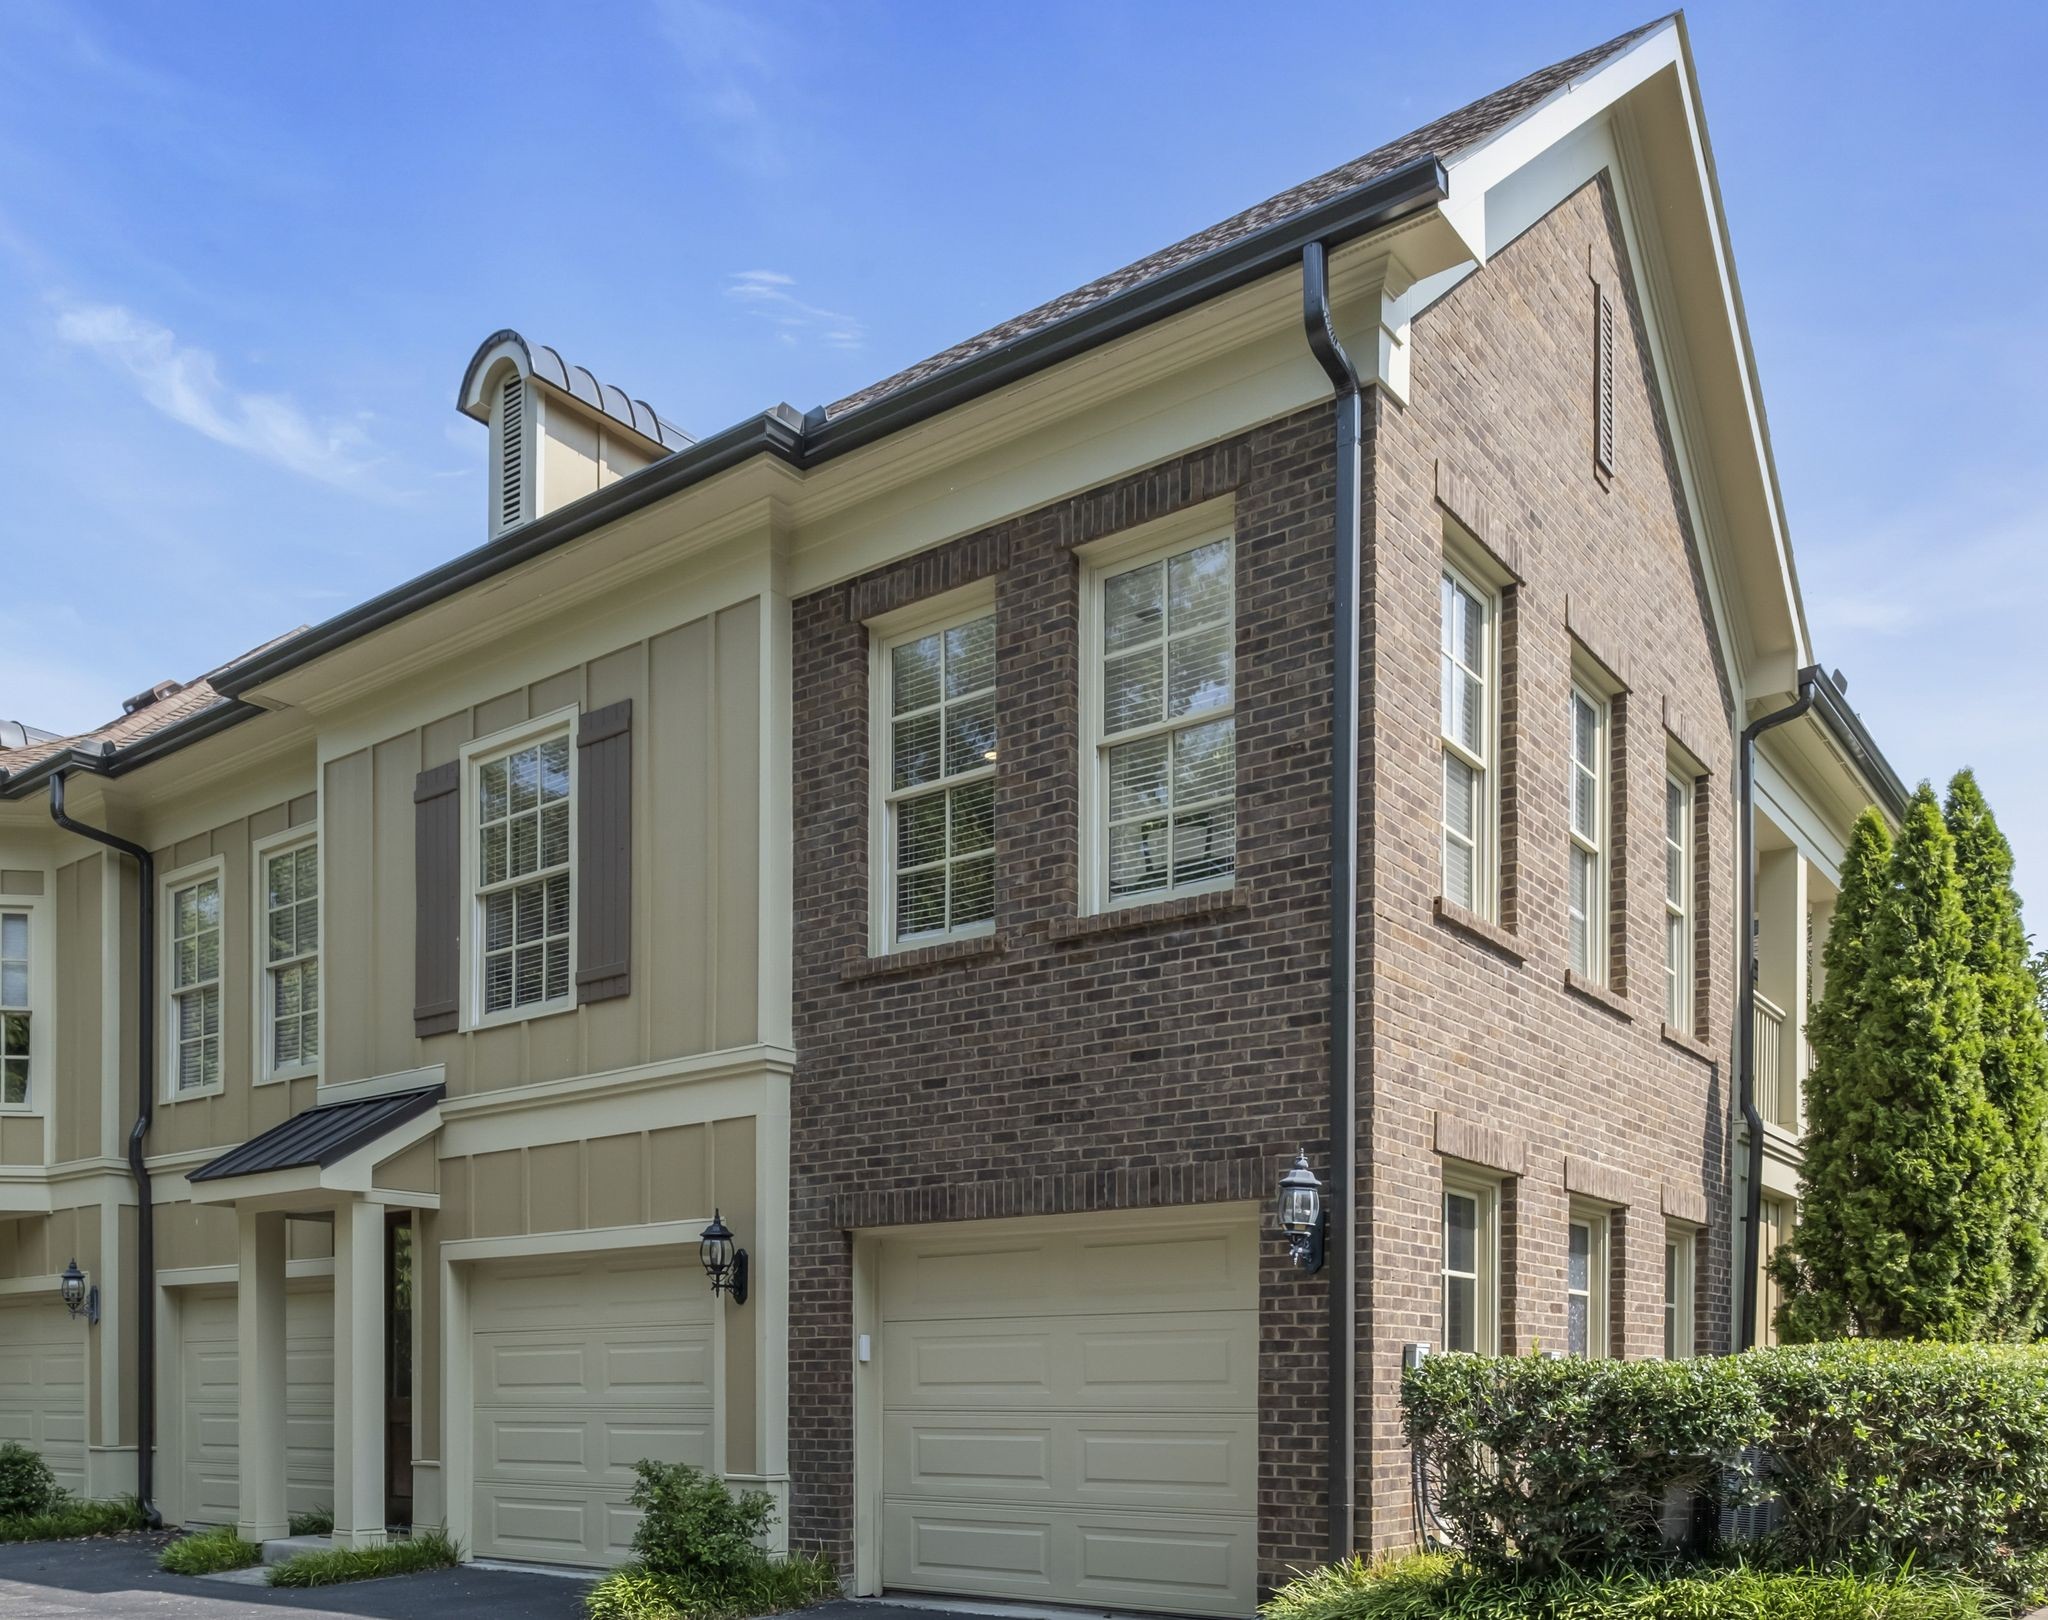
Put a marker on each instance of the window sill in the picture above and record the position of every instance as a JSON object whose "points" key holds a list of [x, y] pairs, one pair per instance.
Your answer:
{"points": [[1687, 1043], [1184, 908], [947, 953], [517, 1015], [198, 1094], [1579, 985], [1473, 926], [284, 1077]]}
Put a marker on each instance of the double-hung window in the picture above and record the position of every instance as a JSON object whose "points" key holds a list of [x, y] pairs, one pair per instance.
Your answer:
{"points": [[1471, 1271], [1163, 665], [1587, 893], [17, 1041], [1681, 1250], [938, 807], [1678, 792], [195, 1010], [1468, 729], [289, 928], [1585, 1284], [523, 876]]}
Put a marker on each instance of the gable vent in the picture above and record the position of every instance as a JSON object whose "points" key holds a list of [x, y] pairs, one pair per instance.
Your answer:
{"points": [[512, 454], [1603, 369]]}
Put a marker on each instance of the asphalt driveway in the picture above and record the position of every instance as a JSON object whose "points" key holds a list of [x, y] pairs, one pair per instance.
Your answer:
{"points": [[117, 1579]]}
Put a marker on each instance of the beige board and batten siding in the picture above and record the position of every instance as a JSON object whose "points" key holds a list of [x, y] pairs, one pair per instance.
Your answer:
{"points": [[695, 693], [80, 891]]}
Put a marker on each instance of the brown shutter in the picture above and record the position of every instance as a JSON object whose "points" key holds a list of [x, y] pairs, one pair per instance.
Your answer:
{"points": [[437, 889], [604, 853]]}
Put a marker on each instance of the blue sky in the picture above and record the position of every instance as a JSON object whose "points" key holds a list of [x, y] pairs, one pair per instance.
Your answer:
{"points": [[246, 249]]}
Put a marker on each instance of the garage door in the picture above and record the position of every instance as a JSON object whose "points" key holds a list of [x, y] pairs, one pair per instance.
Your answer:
{"points": [[210, 1419], [581, 1367], [42, 1385], [1070, 1414]]}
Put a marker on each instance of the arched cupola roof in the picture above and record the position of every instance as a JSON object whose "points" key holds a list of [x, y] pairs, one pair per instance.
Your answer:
{"points": [[546, 365]]}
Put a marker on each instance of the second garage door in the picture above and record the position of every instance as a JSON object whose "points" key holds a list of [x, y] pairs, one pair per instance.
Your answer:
{"points": [[42, 1385], [211, 1419], [1069, 1413], [581, 1367]]}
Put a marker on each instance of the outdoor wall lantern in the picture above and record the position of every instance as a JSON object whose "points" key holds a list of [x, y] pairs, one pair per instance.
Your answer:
{"points": [[725, 1265], [77, 1296], [1302, 1216]]}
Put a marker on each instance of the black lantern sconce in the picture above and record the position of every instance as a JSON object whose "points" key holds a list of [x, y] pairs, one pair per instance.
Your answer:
{"points": [[1302, 1216], [80, 1298], [724, 1264]]}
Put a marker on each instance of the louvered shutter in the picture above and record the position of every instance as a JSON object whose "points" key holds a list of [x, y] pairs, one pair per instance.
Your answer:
{"points": [[1603, 446], [437, 888], [604, 853]]}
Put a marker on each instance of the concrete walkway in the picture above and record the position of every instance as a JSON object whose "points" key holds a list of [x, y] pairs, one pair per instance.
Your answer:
{"points": [[117, 1579]]}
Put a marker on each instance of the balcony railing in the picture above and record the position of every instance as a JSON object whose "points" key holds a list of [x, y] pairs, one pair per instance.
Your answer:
{"points": [[1777, 1092]]}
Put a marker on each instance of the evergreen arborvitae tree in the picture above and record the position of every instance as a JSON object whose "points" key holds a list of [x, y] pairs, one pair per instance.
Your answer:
{"points": [[2015, 1062], [1813, 1268], [1930, 1215]]}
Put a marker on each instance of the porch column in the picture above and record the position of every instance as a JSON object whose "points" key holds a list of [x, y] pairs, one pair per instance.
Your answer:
{"points": [[260, 1362], [359, 1374]]}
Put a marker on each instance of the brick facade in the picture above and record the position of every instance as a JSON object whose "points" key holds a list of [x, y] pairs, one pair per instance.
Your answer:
{"points": [[1177, 1054]]}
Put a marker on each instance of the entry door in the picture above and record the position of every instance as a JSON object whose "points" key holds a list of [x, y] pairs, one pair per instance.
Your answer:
{"points": [[398, 1286], [1070, 1413]]}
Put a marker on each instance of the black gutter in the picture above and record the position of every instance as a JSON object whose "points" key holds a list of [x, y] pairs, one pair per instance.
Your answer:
{"points": [[811, 440], [138, 1167], [1342, 1202], [108, 760], [1832, 709]]}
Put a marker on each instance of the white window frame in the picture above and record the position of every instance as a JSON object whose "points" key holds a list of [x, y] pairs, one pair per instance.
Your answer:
{"points": [[261, 852], [1485, 1192], [42, 997], [168, 887], [1599, 1280], [1678, 970], [1486, 815], [472, 757], [1681, 1282], [1199, 526], [886, 632], [1599, 949]]}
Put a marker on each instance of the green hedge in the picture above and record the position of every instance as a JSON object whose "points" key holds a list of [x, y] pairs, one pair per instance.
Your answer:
{"points": [[1879, 1453], [1546, 1465]]}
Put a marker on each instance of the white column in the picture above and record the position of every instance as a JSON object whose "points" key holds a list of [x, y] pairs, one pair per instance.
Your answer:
{"points": [[260, 1364], [359, 1374]]}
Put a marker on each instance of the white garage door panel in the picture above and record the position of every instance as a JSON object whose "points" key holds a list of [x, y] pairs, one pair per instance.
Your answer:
{"points": [[580, 1369], [42, 1386], [1070, 1413], [211, 1387]]}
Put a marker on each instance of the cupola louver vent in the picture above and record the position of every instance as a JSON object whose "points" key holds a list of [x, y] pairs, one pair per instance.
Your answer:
{"points": [[512, 454]]}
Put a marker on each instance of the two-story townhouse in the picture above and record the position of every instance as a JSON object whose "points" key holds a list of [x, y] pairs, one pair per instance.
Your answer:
{"points": [[1303, 694]]}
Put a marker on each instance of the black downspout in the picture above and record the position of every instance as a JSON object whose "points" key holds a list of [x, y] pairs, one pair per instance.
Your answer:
{"points": [[1342, 1202], [1745, 1011], [145, 1219]]}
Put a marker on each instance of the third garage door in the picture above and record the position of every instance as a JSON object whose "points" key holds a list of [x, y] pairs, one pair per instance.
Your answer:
{"points": [[1070, 1412], [581, 1367]]}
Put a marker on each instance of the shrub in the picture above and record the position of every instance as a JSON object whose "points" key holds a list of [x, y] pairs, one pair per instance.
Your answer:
{"points": [[208, 1552], [27, 1487], [1893, 1450], [1426, 1587], [70, 1519], [770, 1587], [691, 1524], [1542, 1465], [428, 1549], [313, 1522]]}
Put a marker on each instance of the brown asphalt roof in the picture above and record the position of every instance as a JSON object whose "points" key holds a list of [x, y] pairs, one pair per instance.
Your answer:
{"points": [[1444, 138]]}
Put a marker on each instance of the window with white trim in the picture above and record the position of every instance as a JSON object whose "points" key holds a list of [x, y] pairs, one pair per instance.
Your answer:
{"points": [[1585, 1284], [1586, 895], [1471, 1268], [1468, 731], [523, 876], [1681, 1255], [1678, 792], [17, 1040], [290, 932], [938, 831], [1164, 722], [195, 1011]]}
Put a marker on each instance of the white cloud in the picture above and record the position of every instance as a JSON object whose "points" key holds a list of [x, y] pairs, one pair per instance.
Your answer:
{"points": [[184, 382], [770, 295], [731, 64]]}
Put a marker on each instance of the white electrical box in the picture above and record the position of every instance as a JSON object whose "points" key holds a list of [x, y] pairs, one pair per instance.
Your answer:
{"points": [[863, 1350]]}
